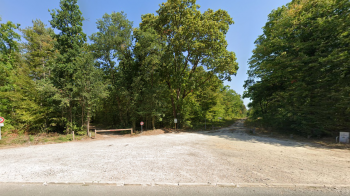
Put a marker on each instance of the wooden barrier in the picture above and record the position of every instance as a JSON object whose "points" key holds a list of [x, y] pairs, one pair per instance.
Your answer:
{"points": [[106, 130]]}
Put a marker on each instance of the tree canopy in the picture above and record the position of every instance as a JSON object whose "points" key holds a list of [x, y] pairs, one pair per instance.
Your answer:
{"points": [[171, 66], [194, 47], [299, 71]]}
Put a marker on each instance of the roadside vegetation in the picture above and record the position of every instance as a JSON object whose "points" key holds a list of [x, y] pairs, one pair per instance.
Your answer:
{"points": [[15, 139], [299, 74], [53, 82]]}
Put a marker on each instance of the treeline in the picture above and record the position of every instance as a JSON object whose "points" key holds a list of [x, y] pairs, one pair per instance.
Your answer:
{"points": [[299, 76], [171, 66]]}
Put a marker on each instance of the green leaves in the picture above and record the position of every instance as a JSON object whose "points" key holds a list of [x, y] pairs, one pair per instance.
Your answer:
{"points": [[39, 50], [111, 42], [173, 65], [298, 87], [69, 21], [190, 40]]}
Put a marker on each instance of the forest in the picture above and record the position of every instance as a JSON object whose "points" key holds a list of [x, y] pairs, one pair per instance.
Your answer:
{"points": [[299, 73], [58, 79]]}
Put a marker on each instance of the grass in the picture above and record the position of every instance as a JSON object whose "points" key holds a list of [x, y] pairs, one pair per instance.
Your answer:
{"points": [[42, 138]]}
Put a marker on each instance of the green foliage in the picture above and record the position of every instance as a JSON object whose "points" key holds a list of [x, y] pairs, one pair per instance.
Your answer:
{"points": [[301, 66], [16, 100], [213, 102], [191, 43], [111, 43], [18, 89], [39, 49], [68, 20], [65, 138], [8, 40], [158, 77], [173, 65], [89, 87]]}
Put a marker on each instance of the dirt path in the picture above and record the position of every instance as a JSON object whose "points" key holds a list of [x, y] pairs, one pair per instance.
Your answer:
{"points": [[226, 155]]}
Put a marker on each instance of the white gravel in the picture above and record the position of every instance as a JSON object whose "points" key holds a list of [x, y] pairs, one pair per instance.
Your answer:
{"points": [[225, 156]]}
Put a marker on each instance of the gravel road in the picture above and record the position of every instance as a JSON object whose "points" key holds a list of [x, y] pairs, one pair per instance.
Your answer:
{"points": [[227, 155]]}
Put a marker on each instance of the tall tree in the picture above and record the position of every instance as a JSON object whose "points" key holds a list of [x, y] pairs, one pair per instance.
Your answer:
{"points": [[111, 44], [111, 41], [39, 56], [301, 63], [9, 49], [39, 49], [90, 87], [192, 40], [17, 90], [70, 40], [148, 86]]}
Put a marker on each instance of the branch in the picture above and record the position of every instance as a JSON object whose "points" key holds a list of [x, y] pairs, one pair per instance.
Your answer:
{"points": [[201, 84], [188, 56], [190, 76], [168, 84]]}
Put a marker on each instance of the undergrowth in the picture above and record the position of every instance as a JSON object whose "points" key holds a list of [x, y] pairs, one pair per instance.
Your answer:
{"points": [[15, 139]]}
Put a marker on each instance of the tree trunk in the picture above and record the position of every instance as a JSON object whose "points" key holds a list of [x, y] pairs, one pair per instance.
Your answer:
{"points": [[120, 112], [174, 108], [44, 71], [82, 114], [71, 118], [88, 123], [134, 125], [153, 120]]}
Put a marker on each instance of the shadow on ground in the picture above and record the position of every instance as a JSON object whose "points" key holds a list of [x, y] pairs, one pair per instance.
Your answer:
{"points": [[238, 132]]}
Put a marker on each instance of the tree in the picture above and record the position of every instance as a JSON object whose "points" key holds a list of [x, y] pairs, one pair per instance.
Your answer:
{"points": [[70, 40], [111, 41], [90, 87], [8, 56], [110, 44], [148, 88], [39, 49], [191, 40], [39, 56], [301, 63], [17, 90]]}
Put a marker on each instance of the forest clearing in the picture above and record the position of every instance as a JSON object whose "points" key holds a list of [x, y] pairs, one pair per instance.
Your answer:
{"points": [[227, 155], [150, 93]]}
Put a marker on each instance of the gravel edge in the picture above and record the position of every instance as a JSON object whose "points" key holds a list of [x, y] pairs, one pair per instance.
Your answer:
{"points": [[236, 185]]}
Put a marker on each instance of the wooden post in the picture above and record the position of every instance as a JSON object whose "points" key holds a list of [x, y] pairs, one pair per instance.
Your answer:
{"points": [[73, 134], [95, 133], [131, 131]]}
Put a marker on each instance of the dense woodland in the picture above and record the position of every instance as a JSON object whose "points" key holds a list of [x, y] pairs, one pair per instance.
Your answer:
{"points": [[299, 76], [58, 79]]}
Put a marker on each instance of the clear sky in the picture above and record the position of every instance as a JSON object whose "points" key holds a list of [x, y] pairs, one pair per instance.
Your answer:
{"points": [[249, 17]]}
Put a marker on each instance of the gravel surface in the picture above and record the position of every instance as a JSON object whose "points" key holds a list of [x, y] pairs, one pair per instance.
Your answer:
{"points": [[227, 155], [78, 190]]}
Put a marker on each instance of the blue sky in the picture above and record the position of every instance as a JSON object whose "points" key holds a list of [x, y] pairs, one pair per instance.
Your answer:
{"points": [[249, 17]]}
